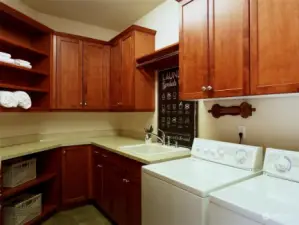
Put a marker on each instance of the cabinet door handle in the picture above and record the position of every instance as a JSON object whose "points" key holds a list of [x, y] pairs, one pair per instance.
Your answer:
{"points": [[80, 103], [210, 88], [85, 103], [105, 156], [96, 152], [203, 88], [126, 181], [64, 152], [99, 166]]}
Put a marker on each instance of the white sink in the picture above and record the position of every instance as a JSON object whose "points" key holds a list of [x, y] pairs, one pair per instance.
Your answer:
{"points": [[152, 149]]}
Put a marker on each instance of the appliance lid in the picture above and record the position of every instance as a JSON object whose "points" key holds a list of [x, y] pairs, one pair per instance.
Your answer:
{"points": [[197, 176], [282, 164], [264, 199], [235, 155]]}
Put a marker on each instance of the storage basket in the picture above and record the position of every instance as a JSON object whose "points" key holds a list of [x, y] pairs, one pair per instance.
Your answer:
{"points": [[22, 209], [19, 173]]}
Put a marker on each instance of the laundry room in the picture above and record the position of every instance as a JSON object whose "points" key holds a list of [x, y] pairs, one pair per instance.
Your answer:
{"points": [[149, 112]]}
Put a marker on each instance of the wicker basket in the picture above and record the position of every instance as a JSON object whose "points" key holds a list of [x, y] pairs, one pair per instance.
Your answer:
{"points": [[19, 173], [22, 209]]}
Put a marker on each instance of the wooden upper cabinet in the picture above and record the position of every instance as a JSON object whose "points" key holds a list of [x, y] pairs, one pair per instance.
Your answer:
{"points": [[96, 76], [75, 171], [128, 70], [144, 79], [229, 48], [115, 76], [193, 49], [274, 46], [68, 82]]}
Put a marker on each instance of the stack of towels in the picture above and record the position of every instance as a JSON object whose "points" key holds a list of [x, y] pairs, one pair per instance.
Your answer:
{"points": [[10, 99], [6, 57]]}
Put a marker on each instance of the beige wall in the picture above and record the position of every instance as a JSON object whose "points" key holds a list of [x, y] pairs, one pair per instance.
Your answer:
{"points": [[18, 124], [63, 25], [275, 124]]}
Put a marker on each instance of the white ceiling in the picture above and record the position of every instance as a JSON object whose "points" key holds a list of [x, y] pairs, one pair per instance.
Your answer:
{"points": [[111, 14]]}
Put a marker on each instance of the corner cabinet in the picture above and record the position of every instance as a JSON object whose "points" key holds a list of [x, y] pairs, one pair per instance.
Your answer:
{"points": [[232, 48], [130, 89], [214, 48], [81, 74], [75, 175]]}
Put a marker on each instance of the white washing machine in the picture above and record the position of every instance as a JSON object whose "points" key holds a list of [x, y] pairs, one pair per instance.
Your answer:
{"points": [[269, 199], [177, 192]]}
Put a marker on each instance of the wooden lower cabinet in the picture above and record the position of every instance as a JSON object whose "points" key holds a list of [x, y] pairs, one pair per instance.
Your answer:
{"points": [[117, 187], [75, 179]]}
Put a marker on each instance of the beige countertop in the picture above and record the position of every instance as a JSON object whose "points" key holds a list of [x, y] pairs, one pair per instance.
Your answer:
{"points": [[111, 143]]}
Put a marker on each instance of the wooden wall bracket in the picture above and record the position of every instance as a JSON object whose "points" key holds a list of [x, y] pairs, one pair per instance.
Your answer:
{"points": [[244, 110]]}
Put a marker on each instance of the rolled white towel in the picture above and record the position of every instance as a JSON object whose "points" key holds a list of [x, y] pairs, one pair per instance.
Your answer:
{"points": [[22, 62], [6, 60], [5, 55], [24, 100], [8, 99]]}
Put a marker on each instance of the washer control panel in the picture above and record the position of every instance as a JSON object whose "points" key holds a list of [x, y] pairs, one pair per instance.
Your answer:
{"points": [[282, 163], [236, 155]]}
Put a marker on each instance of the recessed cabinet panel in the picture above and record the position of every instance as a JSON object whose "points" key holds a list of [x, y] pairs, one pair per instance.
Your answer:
{"points": [[68, 73], [193, 49], [274, 46], [96, 72], [229, 48]]}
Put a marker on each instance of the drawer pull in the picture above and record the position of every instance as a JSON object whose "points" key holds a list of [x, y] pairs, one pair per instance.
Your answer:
{"points": [[96, 152], [126, 181], [99, 166], [105, 156]]}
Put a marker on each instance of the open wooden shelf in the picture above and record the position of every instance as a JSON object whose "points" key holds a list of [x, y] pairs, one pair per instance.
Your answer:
{"points": [[9, 192], [32, 109], [23, 47], [161, 59], [16, 67], [47, 211], [23, 88]]}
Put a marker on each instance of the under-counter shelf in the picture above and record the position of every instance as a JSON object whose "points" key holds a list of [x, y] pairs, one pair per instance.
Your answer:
{"points": [[47, 211], [9, 192]]}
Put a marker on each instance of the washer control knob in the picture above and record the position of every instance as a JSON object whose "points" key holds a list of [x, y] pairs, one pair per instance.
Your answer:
{"points": [[283, 164], [241, 156]]}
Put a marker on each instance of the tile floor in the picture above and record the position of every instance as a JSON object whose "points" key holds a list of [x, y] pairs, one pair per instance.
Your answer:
{"points": [[86, 215]]}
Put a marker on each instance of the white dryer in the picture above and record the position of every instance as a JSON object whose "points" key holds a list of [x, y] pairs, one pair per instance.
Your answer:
{"points": [[269, 199], [177, 192]]}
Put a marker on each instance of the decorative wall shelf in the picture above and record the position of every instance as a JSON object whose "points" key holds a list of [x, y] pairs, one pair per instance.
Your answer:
{"points": [[164, 58], [244, 110]]}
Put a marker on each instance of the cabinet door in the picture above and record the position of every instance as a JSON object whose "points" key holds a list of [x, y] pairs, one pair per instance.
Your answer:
{"points": [[128, 69], [193, 49], [133, 203], [96, 72], [68, 83], [74, 175], [274, 46], [98, 182], [115, 77], [229, 48]]}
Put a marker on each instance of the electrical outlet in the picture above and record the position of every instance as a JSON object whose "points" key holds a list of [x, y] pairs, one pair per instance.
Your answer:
{"points": [[242, 129]]}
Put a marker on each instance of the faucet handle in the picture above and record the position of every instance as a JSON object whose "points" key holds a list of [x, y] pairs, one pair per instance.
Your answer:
{"points": [[168, 140]]}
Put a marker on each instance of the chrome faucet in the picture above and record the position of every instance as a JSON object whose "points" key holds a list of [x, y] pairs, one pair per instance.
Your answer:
{"points": [[162, 140]]}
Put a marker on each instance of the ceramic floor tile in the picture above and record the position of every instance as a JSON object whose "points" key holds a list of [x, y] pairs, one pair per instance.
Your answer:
{"points": [[86, 215]]}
